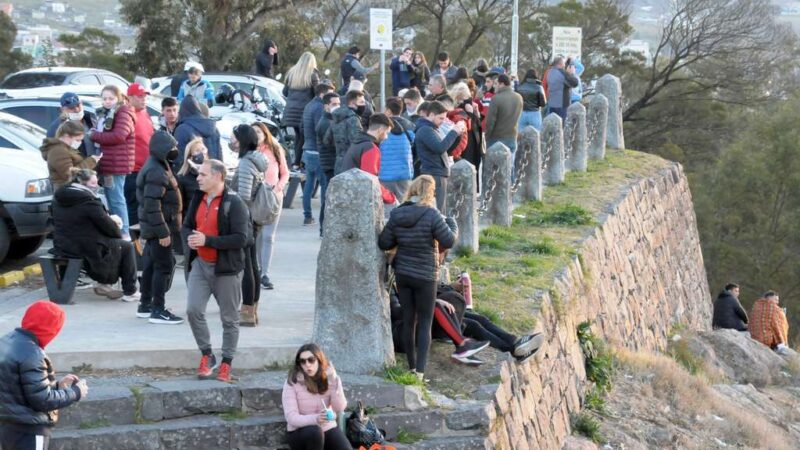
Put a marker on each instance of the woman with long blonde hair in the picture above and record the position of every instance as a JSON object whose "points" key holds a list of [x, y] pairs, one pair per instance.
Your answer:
{"points": [[277, 176], [418, 231], [299, 90]]}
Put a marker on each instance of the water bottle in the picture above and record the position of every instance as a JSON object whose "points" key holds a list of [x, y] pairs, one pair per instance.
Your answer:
{"points": [[467, 291]]}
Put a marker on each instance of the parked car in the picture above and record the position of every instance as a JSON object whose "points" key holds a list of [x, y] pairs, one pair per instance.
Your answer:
{"points": [[25, 197], [42, 111], [20, 134], [267, 89], [57, 76]]}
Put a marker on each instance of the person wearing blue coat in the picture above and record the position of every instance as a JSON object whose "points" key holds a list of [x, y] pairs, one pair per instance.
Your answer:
{"points": [[432, 149], [402, 71], [191, 124], [397, 161], [312, 113]]}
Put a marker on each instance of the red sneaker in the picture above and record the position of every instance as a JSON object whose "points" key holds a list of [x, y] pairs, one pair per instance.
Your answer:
{"points": [[207, 365], [224, 373]]}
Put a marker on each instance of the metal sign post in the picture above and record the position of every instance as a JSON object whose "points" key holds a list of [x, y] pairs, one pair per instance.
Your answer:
{"points": [[380, 38], [515, 39]]}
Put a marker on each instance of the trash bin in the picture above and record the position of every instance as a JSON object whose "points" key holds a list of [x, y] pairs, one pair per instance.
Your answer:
{"points": [[295, 178]]}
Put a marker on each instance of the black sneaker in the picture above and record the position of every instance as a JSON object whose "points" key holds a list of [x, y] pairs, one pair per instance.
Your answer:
{"points": [[469, 347], [468, 360], [144, 311], [528, 344], [309, 221], [83, 282], [165, 317], [265, 283]]}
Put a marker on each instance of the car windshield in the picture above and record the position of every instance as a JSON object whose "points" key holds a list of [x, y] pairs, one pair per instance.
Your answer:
{"points": [[33, 80], [29, 133]]}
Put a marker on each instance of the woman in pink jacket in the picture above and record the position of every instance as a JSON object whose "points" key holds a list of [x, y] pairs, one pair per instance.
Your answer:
{"points": [[312, 399]]}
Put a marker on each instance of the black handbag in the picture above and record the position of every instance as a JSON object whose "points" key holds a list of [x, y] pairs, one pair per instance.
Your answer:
{"points": [[361, 430]]}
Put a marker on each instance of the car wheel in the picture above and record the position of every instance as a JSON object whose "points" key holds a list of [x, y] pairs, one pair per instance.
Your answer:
{"points": [[5, 240], [24, 247]]}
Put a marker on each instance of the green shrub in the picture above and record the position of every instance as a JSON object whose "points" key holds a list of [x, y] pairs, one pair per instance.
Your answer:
{"points": [[586, 425], [598, 359], [679, 351], [399, 375], [408, 437]]}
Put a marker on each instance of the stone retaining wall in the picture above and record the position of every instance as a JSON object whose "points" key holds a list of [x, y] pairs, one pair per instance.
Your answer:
{"points": [[640, 273]]}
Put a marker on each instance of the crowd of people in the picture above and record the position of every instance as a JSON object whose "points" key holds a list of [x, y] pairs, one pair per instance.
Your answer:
{"points": [[124, 187]]}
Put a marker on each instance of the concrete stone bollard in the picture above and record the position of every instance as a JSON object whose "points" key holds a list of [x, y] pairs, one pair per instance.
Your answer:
{"points": [[462, 204], [611, 88], [496, 180], [552, 150], [575, 137], [596, 123], [529, 164], [350, 272]]}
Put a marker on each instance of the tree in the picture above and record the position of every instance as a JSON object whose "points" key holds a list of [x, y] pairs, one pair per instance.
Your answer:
{"points": [[748, 209], [94, 47], [330, 19], [10, 60], [730, 48], [213, 31]]}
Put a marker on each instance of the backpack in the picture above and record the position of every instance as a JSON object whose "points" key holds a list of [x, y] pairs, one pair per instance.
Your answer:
{"points": [[361, 430], [266, 204]]}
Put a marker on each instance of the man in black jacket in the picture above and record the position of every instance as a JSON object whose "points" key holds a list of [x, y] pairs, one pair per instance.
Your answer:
{"points": [[159, 217], [728, 312], [30, 397], [326, 147], [216, 231]]}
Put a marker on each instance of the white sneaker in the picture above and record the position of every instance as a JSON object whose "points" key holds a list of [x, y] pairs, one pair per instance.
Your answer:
{"points": [[135, 297]]}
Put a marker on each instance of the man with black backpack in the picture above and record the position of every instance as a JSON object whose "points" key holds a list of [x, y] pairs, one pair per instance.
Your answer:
{"points": [[216, 233], [397, 166]]}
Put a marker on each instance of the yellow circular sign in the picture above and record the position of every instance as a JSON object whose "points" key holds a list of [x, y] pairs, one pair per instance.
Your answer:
{"points": [[381, 29]]}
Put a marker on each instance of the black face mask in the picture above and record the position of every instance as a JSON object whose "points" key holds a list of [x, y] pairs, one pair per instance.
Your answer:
{"points": [[198, 158], [172, 155], [360, 109]]}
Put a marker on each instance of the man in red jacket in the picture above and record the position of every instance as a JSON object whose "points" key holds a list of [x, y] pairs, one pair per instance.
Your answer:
{"points": [[365, 154], [144, 130]]}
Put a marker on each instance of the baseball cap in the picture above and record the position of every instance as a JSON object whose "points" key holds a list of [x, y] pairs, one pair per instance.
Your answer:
{"points": [[136, 90], [70, 100], [193, 65]]}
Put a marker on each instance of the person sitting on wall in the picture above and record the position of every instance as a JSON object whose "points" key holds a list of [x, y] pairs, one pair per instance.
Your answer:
{"points": [[768, 323], [728, 312]]}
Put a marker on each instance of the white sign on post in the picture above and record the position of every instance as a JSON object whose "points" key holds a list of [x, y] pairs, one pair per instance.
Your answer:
{"points": [[567, 41], [380, 29]]}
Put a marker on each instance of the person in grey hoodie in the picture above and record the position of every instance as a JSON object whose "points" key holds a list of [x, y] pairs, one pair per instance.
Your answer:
{"points": [[560, 82], [446, 68], [346, 126], [252, 165], [432, 149]]}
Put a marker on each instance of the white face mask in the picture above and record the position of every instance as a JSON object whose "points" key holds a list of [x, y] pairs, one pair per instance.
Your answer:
{"points": [[76, 144], [334, 108], [75, 116]]}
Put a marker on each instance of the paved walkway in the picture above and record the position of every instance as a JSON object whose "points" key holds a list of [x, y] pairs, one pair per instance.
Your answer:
{"points": [[107, 334]]}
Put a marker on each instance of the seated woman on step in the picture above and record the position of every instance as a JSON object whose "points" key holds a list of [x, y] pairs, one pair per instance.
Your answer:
{"points": [[313, 397]]}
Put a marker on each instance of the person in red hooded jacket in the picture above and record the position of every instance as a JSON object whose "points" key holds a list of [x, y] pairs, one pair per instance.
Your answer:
{"points": [[30, 397], [365, 154]]}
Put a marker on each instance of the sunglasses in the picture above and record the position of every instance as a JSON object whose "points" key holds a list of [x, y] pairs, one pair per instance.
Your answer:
{"points": [[309, 360]]}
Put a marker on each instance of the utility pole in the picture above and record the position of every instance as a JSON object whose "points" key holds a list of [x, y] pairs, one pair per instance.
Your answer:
{"points": [[515, 38]]}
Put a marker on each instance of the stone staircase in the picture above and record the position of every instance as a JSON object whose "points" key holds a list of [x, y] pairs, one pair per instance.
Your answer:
{"points": [[186, 413]]}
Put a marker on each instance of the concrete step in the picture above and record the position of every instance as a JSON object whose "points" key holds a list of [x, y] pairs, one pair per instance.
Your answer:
{"points": [[259, 393], [219, 432]]}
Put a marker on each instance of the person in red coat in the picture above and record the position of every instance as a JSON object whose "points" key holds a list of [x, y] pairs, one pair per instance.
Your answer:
{"points": [[137, 96], [115, 134]]}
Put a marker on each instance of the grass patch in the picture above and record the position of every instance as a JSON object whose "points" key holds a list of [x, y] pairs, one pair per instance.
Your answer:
{"points": [[679, 351], [586, 425], [397, 374], [233, 414], [516, 262], [408, 437], [137, 412], [598, 358], [94, 424], [595, 400]]}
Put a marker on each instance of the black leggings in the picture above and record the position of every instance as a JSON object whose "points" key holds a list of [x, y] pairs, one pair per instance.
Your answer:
{"points": [[299, 140], [312, 438], [417, 298], [481, 328], [251, 278]]}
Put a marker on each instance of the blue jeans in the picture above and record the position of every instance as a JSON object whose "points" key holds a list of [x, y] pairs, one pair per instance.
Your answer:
{"points": [[532, 118], [115, 194], [313, 173]]}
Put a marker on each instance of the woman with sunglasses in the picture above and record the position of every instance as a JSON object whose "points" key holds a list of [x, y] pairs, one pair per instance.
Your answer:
{"points": [[312, 400]]}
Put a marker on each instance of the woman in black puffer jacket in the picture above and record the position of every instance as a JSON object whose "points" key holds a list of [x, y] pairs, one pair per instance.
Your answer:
{"points": [[419, 232], [299, 90]]}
